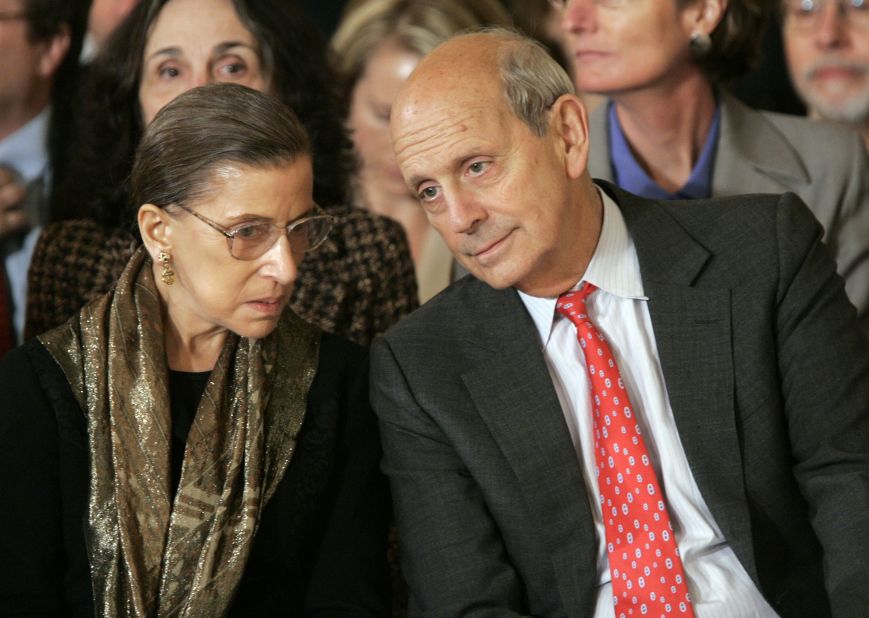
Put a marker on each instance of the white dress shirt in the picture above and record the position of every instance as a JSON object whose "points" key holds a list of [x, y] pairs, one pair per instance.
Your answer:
{"points": [[719, 585], [25, 152]]}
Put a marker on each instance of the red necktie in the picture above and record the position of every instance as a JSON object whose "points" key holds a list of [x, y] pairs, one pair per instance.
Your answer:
{"points": [[647, 574], [7, 333]]}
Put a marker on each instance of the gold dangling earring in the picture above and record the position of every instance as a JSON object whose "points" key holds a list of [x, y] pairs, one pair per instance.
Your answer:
{"points": [[168, 275]]}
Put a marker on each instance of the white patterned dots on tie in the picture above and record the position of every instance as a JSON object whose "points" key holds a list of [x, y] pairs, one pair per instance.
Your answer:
{"points": [[647, 574]]}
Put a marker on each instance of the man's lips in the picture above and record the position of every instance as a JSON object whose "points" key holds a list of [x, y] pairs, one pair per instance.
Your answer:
{"points": [[834, 73], [836, 70], [491, 247]]}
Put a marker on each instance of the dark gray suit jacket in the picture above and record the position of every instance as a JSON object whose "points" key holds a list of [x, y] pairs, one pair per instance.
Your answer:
{"points": [[764, 152], [767, 373]]}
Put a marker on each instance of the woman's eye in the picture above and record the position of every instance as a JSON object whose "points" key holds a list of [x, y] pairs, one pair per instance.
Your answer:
{"points": [[251, 232], [232, 69], [168, 72]]}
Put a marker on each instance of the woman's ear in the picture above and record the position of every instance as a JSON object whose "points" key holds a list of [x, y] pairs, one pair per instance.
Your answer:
{"points": [[155, 226], [703, 16], [569, 125]]}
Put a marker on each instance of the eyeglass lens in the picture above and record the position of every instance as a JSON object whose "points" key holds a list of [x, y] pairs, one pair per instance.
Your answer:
{"points": [[251, 241], [807, 13]]}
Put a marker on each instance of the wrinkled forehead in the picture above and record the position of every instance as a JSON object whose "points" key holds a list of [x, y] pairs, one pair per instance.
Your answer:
{"points": [[433, 135], [427, 102]]}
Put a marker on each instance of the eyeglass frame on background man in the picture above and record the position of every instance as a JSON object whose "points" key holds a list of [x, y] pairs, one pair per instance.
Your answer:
{"points": [[805, 14]]}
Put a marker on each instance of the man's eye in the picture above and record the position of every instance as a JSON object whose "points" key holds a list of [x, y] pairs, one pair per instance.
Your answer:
{"points": [[428, 194], [477, 167], [806, 7]]}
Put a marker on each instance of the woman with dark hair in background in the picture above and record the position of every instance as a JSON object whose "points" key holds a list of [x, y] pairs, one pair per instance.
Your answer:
{"points": [[671, 130], [185, 445], [359, 283]]}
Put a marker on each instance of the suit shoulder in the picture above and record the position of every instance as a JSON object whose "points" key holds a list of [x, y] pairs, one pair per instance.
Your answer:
{"points": [[753, 214], [702, 214], [823, 142], [447, 314]]}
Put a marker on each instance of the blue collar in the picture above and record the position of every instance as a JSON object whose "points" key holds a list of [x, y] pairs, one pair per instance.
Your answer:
{"points": [[629, 175]]}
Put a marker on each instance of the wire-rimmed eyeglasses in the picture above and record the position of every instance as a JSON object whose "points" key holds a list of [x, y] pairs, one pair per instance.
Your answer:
{"points": [[806, 14], [248, 241]]}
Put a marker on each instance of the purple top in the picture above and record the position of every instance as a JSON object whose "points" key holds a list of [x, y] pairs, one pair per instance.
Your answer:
{"points": [[629, 175]]}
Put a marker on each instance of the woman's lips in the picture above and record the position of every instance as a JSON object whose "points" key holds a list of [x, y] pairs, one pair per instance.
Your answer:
{"points": [[267, 306], [589, 54]]}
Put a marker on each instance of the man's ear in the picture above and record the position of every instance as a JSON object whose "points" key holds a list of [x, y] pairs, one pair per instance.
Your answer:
{"points": [[155, 226], [54, 51], [569, 125]]}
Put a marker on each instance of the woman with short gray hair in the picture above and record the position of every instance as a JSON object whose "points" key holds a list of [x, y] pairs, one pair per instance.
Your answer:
{"points": [[186, 445]]}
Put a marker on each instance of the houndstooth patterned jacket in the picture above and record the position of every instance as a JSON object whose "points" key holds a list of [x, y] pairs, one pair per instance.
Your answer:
{"points": [[356, 285]]}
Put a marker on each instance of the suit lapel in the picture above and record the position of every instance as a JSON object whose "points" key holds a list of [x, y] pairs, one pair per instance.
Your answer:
{"points": [[513, 392], [692, 331], [753, 150]]}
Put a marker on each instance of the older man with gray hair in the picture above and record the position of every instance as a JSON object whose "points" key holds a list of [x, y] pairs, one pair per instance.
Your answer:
{"points": [[627, 408], [827, 47]]}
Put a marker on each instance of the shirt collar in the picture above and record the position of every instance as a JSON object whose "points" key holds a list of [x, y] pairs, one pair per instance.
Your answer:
{"points": [[630, 175], [614, 269], [26, 150]]}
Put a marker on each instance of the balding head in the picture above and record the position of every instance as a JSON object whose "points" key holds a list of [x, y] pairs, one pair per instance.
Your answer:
{"points": [[494, 144], [476, 53], [528, 77]]}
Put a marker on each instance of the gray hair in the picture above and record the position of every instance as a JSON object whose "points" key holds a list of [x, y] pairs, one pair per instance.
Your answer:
{"points": [[531, 78]]}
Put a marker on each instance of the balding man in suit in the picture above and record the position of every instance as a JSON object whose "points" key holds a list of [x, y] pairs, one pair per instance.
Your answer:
{"points": [[630, 407]]}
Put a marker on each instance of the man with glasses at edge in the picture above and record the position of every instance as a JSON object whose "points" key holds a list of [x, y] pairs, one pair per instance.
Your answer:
{"points": [[827, 47]]}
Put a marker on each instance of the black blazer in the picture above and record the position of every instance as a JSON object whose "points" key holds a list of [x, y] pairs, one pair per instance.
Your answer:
{"points": [[767, 374], [321, 545]]}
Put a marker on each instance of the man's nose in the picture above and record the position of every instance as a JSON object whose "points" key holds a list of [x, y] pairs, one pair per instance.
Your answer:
{"points": [[464, 212], [830, 30]]}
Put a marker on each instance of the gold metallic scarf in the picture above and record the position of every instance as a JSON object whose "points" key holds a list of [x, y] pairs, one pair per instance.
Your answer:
{"points": [[150, 555]]}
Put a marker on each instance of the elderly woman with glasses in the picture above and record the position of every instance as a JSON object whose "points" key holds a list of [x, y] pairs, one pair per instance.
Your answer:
{"points": [[362, 279], [186, 445], [671, 131]]}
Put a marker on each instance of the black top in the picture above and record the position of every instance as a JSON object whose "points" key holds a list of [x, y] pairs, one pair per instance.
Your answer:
{"points": [[185, 392], [320, 547]]}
